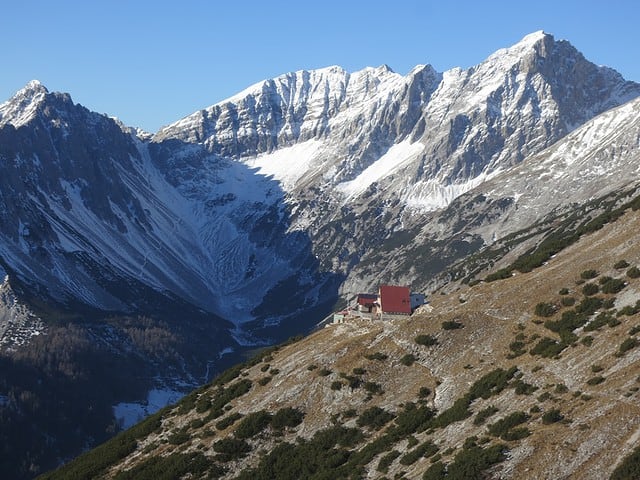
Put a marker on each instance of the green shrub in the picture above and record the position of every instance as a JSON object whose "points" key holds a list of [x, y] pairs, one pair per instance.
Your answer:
{"points": [[228, 421], [408, 359], [505, 427], [590, 289], [588, 306], [499, 275], [324, 372], [589, 274], [413, 419], [424, 392], [373, 388], [627, 310], [587, 340], [359, 371], [336, 385], [595, 380], [426, 340], [426, 450], [203, 403], [264, 380], [469, 463], [353, 381], [633, 272], [517, 348], [552, 416], [482, 415], [178, 438], [567, 301], [547, 348], [523, 388], [175, 465], [629, 468], [253, 424], [377, 356], [561, 388], [564, 291], [596, 368], [230, 449], [451, 325], [286, 417], [374, 417], [620, 264], [613, 285], [543, 309], [386, 461], [628, 344]]}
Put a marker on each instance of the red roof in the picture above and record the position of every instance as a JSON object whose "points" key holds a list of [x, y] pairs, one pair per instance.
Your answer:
{"points": [[395, 299], [367, 298]]}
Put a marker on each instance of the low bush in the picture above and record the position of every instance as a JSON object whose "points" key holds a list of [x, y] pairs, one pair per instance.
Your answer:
{"points": [[620, 264], [386, 461], [425, 450], [374, 417], [426, 340], [253, 424], [629, 469], [484, 414], [547, 348], [633, 272], [590, 289], [230, 449], [595, 380], [628, 344], [589, 274], [613, 285], [552, 416], [451, 325], [408, 359], [228, 421], [505, 427], [178, 438], [377, 356], [470, 463], [373, 388], [286, 418], [544, 309]]}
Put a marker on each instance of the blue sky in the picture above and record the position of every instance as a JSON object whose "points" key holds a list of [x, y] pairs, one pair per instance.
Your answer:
{"points": [[152, 62]]}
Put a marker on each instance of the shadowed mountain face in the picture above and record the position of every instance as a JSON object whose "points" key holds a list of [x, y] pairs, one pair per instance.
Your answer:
{"points": [[243, 223], [94, 215]]}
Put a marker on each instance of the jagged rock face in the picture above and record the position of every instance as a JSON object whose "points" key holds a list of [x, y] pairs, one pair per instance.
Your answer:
{"points": [[447, 132], [93, 214]]}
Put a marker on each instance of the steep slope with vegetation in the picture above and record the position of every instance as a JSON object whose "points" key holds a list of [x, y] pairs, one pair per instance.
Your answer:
{"points": [[531, 376]]}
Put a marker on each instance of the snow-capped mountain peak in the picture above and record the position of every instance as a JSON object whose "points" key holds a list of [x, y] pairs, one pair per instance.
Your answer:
{"points": [[20, 108]]}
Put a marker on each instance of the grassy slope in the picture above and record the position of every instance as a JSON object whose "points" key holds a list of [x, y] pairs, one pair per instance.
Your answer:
{"points": [[600, 424]]}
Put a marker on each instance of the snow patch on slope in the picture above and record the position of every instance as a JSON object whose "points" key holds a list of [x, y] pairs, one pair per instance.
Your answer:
{"points": [[127, 414], [430, 195], [287, 165], [391, 161]]}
